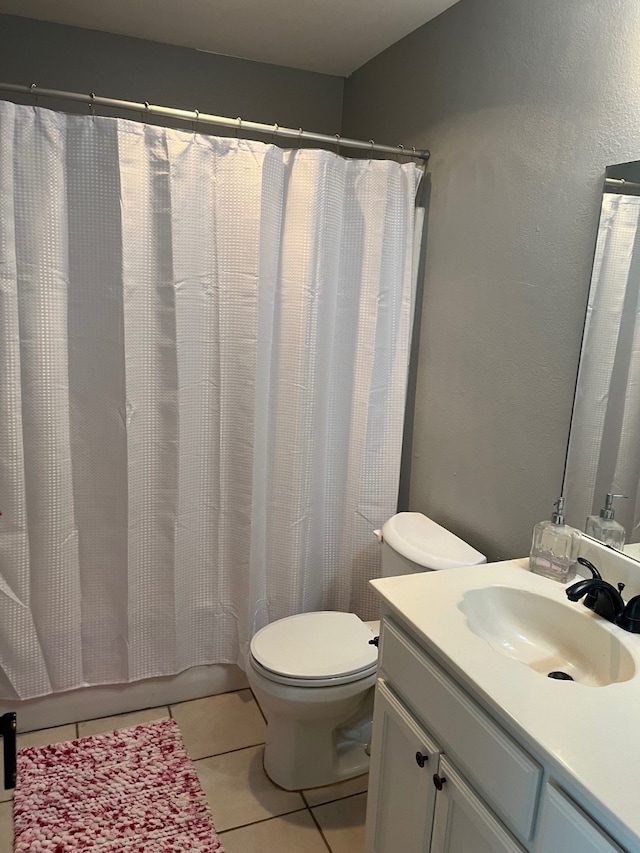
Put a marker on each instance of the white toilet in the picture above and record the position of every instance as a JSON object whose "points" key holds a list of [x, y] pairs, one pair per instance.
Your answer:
{"points": [[313, 674]]}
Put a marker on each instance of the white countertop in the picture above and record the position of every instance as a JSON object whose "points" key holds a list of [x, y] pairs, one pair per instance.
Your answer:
{"points": [[590, 736]]}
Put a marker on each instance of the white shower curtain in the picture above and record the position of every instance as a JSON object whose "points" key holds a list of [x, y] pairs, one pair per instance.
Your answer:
{"points": [[604, 445], [203, 360]]}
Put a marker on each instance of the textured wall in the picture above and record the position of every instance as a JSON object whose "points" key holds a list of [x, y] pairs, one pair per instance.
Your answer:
{"points": [[523, 103], [60, 57]]}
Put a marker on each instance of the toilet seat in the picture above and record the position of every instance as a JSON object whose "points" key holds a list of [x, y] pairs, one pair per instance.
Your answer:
{"points": [[315, 649]]}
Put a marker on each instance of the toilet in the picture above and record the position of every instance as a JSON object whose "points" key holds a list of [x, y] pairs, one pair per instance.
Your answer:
{"points": [[313, 674]]}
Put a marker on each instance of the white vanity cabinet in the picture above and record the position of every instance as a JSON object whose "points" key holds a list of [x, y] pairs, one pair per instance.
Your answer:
{"points": [[407, 771], [403, 761], [564, 827], [446, 778], [462, 822]]}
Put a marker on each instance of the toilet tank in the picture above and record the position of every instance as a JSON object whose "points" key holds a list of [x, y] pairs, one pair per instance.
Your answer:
{"points": [[411, 542]]}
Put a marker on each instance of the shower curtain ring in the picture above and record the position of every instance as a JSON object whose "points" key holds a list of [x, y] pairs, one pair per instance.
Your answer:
{"points": [[371, 143], [33, 88], [195, 124], [338, 144], [92, 104], [276, 131], [300, 132], [239, 120], [401, 150]]}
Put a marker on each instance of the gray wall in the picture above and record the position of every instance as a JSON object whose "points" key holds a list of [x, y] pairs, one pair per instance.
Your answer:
{"points": [[523, 103], [59, 57]]}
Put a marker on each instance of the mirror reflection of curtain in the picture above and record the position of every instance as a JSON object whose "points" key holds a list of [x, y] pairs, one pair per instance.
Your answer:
{"points": [[203, 365], [604, 445]]}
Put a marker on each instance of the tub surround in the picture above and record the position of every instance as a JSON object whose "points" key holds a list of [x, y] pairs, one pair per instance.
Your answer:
{"points": [[72, 706], [586, 736]]}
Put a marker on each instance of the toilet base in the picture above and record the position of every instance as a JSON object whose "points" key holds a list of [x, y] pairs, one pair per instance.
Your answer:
{"points": [[316, 736], [313, 758]]}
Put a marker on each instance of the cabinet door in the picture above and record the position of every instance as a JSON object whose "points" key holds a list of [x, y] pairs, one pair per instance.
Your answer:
{"points": [[496, 766], [463, 824], [401, 792], [564, 827]]}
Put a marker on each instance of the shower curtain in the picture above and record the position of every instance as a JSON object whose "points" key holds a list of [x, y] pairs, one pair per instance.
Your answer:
{"points": [[203, 360], [604, 444]]}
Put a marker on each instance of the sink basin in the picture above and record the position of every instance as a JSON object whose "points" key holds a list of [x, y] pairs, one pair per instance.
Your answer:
{"points": [[548, 635]]}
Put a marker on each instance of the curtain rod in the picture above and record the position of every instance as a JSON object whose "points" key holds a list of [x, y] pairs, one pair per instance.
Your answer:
{"points": [[204, 118]]}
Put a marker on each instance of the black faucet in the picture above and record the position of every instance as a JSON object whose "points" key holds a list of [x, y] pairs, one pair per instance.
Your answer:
{"points": [[630, 619], [605, 600], [590, 598]]}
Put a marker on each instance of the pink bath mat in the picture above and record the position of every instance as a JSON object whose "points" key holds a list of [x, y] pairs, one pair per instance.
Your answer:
{"points": [[130, 791]]}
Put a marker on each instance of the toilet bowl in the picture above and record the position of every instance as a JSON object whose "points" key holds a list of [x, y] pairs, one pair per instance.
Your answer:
{"points": [[313, 674]]}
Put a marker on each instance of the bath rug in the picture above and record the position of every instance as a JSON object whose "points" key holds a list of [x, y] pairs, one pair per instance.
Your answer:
{"points": [[131, 791]]}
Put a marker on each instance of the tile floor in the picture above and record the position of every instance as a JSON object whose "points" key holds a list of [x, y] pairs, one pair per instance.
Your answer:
{"points": [[224, 735]]}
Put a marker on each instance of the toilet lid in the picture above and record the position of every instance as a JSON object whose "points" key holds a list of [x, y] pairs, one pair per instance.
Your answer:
{"points": [[325, 644]]}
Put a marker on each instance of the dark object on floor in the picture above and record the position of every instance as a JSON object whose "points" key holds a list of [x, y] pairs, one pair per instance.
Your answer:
{"points": [[8, 726]]}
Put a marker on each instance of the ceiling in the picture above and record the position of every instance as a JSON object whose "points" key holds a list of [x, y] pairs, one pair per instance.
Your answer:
{"points": [[329, 36]]}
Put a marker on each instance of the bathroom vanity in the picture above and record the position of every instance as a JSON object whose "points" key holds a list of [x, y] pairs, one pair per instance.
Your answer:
{"points": [[475, 749]]}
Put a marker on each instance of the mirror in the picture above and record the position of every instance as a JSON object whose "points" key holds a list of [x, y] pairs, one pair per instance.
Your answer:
{"points": [[604, 442]]}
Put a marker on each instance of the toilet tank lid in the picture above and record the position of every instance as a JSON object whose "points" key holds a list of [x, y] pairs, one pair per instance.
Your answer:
{"points": [[427, 544], [322, 644]]}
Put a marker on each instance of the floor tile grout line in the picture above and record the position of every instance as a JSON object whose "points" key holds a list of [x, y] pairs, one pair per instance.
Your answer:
{"points": [[315, 820], [229, 751], [210, 696], [334, 800], [201, 758], [261, 820], [120, 714], [255, 699], [79, 723], [168, 708]]}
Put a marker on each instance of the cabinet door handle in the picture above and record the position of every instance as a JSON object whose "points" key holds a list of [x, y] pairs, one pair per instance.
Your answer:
{"points": [[421, 759], [438, 781]]}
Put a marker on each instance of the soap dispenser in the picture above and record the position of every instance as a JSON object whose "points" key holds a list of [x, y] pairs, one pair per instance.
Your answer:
{"points": [[604, 527], [554, 548]]}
